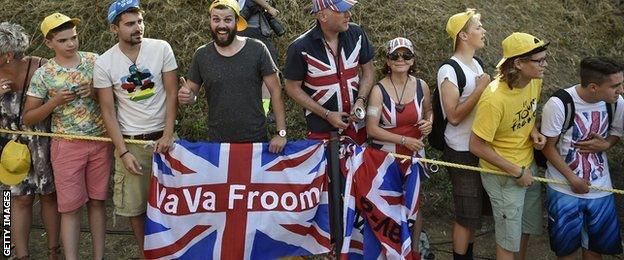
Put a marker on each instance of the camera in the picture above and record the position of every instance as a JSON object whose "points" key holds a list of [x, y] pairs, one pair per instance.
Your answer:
{"points": [[275, 25], [251, 8]]}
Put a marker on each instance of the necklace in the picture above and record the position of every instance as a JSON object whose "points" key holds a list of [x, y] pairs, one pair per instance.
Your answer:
{"points": [[399, 107]]}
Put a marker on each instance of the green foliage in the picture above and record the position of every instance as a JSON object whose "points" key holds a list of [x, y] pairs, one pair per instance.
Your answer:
{"points": [[575, 29]]}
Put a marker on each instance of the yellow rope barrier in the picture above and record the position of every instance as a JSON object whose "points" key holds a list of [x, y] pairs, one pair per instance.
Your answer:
{"points": [[83, 137], [477, 169], [443, 163]]}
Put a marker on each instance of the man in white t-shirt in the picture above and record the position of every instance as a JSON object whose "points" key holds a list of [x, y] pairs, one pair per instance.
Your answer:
{"points": [[577, 216], [136, 82], [467, 33]]}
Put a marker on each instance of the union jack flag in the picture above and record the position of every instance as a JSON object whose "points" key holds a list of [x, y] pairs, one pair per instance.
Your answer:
{"points": [[589, 166], [380, 200], [237, 201]]}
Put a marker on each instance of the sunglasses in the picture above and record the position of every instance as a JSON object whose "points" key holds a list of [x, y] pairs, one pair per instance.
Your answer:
{"points": [[540, 62], [133, 69], [404, 55]]}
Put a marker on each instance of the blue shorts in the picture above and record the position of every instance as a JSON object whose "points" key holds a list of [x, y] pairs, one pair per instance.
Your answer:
{"points": [[589, 223]]}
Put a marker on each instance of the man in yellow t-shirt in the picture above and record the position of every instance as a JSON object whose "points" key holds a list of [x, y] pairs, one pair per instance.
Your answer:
{"points": [[506, 118], [504, 138]]}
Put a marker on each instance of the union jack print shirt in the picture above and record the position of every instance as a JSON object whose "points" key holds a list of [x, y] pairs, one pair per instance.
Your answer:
{"points": [[332, 81], [588, 118]]}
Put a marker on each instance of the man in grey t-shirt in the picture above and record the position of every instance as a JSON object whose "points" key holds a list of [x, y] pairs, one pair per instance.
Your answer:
{"points": [[232, 70]]}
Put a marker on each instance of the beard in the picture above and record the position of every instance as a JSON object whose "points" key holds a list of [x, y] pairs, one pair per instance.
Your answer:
{"points": [[231, 34], [133, 39]]}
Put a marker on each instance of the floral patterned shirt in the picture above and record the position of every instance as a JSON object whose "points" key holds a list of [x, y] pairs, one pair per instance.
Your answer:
{"points": [[80, 116], [39, 179]]}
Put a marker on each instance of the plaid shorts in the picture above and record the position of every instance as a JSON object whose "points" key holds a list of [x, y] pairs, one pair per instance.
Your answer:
{"points": [[470, 199]]}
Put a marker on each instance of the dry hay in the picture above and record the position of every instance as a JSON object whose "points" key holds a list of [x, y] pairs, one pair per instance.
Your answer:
{"points": [[574, 28]]}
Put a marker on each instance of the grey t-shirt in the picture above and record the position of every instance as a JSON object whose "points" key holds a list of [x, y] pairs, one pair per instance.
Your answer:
{"points": [[233, 90]]}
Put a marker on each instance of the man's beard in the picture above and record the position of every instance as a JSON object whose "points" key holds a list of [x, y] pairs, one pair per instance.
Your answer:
{"points": [[230, 37], [132, 41]]}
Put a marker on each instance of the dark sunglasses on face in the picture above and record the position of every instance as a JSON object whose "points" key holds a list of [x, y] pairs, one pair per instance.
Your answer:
{"points": [[540, 62], [404, 55]]}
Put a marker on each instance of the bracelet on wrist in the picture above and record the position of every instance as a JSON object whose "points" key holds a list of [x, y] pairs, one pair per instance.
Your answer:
{"points": [[124, 153], [521, 173], [360, 97], [402, 140], [326, 113]]}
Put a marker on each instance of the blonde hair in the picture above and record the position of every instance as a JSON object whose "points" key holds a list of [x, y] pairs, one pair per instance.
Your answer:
{"points": [[473, 19]]}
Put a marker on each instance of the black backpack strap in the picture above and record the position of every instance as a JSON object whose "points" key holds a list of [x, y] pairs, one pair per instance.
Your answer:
{"points": [[568, 106], [480, 61], [568, 109], [459, 73], [610, 110]]}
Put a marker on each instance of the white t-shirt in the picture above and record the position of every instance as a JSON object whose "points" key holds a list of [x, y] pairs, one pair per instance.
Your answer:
{"points": [[138, 87], [589, 117], [457, 137]]}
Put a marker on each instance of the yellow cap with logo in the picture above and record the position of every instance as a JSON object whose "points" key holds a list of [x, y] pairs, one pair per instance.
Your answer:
{"points": [[55, 20], [518, 44]]}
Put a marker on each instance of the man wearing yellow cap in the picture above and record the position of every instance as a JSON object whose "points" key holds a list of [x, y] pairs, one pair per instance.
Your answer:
{"points": [[458, 98], [62, 89], [232, 69], [504, 140]]}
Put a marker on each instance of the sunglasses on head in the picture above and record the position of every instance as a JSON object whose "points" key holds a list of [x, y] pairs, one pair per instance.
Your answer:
{"points": [[404, 55]]}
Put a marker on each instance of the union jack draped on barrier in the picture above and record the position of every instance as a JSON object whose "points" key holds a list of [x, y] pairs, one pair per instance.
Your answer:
{"points": [[237, 201], [381, 198]]}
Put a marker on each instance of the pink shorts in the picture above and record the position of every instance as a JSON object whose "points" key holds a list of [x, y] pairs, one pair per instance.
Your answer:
{"points": [[81, 171]]}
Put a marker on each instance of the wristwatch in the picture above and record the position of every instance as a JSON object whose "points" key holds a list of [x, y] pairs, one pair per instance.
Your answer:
{"points": [[282, 133]]}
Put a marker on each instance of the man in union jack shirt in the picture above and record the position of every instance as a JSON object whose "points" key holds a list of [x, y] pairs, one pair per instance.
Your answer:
{"points": [[323, 71], [580, 218]]}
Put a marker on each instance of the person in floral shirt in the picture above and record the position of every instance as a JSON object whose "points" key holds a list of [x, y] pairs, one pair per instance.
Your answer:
{"points": [[63, 89]]}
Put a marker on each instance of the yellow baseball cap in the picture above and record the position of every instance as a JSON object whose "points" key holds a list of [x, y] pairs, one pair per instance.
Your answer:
{"points": [[456, 22], [242, 23], [55, 20], [14, 163], [518, 44]]}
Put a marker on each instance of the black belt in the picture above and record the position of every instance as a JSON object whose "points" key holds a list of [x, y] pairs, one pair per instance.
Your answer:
{"points": [[150, 136]]}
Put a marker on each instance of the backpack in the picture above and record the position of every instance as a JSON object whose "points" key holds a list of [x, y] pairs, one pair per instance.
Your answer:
{"points": [[569, 112], [436, 137]]}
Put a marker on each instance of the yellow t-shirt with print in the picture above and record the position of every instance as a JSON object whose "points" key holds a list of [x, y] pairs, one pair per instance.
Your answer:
{"points": [[505, 118]]}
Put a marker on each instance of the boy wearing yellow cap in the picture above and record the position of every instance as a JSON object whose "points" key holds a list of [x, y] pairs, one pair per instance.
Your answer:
{"points": [[62, 88], [504, 140], [468, 36]]}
